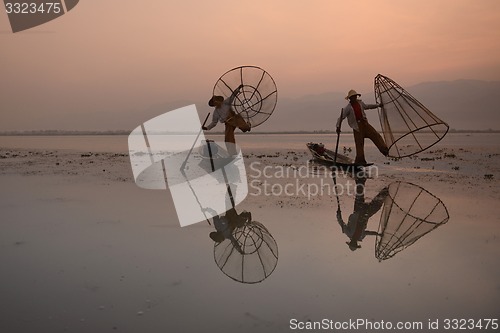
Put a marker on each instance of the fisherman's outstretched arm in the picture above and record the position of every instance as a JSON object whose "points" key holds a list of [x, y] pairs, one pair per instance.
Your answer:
{"points": [[230, 99], [371, 106]]}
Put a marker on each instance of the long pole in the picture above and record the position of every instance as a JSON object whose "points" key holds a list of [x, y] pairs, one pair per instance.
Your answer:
{"points": [[334, 172], [196, 140], [184, 165], [338, 137]]}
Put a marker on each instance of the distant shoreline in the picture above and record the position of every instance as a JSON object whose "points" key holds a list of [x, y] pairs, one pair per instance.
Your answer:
{"points": [[84, 133]]}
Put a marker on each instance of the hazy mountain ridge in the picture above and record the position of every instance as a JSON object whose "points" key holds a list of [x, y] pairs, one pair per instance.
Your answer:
{"points": [[470, 104], [463, 104]]}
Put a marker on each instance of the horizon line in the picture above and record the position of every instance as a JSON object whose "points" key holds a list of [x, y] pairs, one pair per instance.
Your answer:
{"points": [[127, 132]]}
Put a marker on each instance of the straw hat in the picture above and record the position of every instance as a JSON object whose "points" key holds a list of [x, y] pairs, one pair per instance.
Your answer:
{"points": [[214, 98], [352, 92]]}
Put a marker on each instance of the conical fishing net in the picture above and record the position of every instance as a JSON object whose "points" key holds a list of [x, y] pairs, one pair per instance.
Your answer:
{"points": [[257, 98], [409, 213], [408, 126], [250, 257]]}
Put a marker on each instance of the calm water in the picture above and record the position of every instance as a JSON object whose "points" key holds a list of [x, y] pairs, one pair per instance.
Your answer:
{"points": [[81, 256], [118, 143]]}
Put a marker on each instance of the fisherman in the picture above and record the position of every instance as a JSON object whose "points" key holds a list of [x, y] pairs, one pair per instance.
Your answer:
{"points": [[356, 117], [224, 113]]}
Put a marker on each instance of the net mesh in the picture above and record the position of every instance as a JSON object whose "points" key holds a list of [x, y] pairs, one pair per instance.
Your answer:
{"points": [[409, 213], [408, 126], [254, 256], [257, 98]]}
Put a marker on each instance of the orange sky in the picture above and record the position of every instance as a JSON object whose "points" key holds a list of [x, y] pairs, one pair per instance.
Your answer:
{"points": [[129, 54]]}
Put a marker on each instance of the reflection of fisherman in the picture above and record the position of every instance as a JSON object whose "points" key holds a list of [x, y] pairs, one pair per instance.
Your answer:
{"points": [[356, 117], [355, 229], [225, 226], [225, 114]]}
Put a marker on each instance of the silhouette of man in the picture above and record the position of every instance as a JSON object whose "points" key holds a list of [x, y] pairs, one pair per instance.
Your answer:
{"points": [[356, 117], [356, 226], [224, 113]]}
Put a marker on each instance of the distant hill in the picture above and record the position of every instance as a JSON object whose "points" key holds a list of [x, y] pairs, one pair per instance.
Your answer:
{"points": [[463, 104]]}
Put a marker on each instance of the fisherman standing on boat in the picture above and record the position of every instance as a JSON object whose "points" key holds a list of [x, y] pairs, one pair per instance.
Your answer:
{"points": [[356, 117], [224, 113]]}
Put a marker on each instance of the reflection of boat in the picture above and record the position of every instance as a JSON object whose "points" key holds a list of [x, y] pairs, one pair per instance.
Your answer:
{"points": [[327, 156], [409, 213]]}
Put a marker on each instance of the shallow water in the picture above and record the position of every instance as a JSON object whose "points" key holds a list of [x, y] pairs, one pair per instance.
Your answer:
{"points": [[83, 254], [75, 263], [118, 143]]}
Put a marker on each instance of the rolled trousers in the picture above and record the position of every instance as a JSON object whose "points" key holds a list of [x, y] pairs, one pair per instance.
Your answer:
{"points": [[234, 121], [367, 131]]}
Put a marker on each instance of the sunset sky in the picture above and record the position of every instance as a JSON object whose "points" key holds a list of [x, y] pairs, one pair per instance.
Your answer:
{"points": [[127, 55]]}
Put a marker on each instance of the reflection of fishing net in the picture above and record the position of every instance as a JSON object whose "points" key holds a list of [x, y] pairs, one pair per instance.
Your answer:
{"points": [[408, 126], [409, 213], [258, 96], [250, 257]]}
